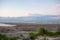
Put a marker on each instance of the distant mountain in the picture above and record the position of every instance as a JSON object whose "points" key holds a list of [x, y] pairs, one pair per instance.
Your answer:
{"points": [[33, 18]]}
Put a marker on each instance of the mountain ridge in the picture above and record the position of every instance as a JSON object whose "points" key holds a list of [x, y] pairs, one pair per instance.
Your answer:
{"points": [[33, 18]]}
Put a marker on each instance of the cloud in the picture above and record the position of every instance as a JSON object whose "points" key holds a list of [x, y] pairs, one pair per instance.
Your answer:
{"points": [[13, 11], [58, 5], [13, 14]]}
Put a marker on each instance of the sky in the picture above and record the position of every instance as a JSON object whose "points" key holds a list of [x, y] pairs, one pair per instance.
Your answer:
{"points": [[19, 8]]}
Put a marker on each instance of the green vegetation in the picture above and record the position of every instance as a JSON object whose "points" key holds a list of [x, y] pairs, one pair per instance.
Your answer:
{"points": [[41, 32], [44, 32], [45, 38], [33, 36], [4, 37]]}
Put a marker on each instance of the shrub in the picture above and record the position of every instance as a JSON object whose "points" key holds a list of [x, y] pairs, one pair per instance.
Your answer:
{"points": [[32, 36], [57, 33], [45, 38], [42, 31], [4, 37], [50, 34]]}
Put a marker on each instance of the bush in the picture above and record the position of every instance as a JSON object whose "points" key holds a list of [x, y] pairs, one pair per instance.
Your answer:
{"points": [[57, 33], [32, 36], [4, 37], [50, 34], [42, 31], [54, 34], [45, 38]]}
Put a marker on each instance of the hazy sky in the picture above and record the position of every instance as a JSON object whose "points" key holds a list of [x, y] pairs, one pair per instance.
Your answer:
{"points": [[15, 8]]}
